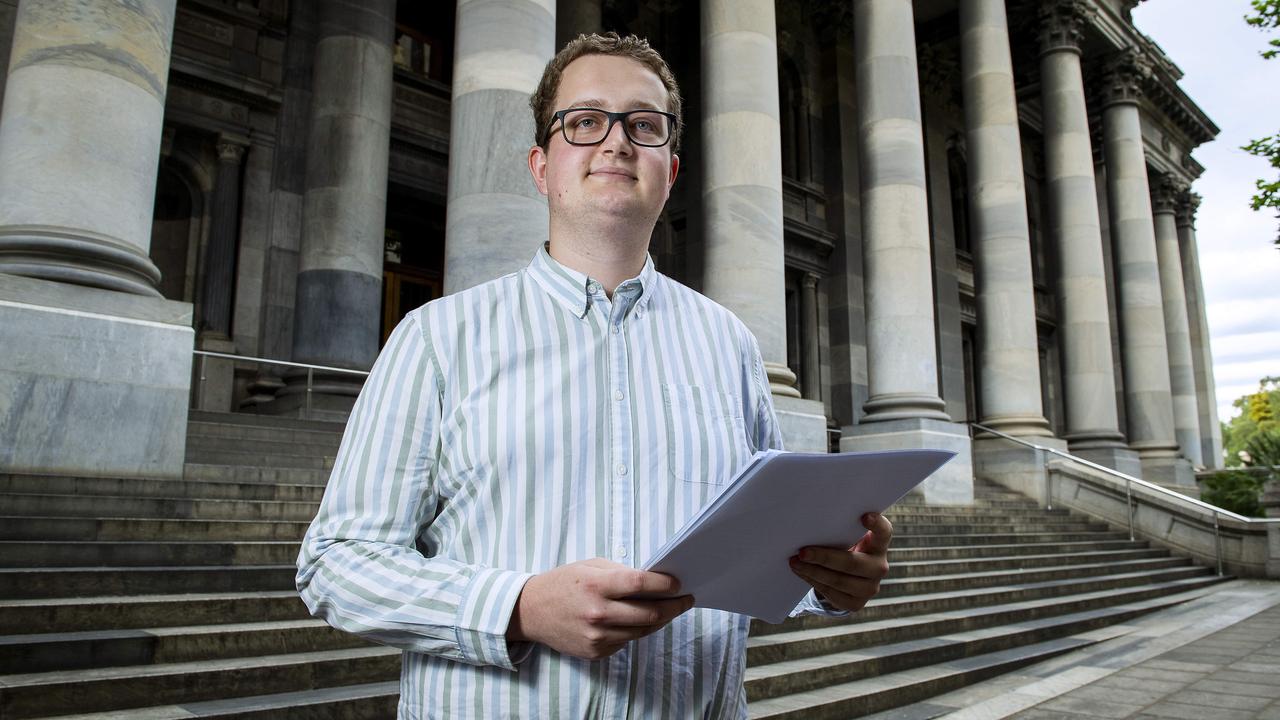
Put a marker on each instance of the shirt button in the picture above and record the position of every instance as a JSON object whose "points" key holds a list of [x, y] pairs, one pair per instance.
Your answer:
{"points": [[616, 329], [622, 551], [622, 470], [617, 395]]}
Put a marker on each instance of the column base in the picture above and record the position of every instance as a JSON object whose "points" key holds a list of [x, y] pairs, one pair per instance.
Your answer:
{"points": [[782, 382], [1172, 473], [97, 382], [953, 484], [331, 398], [1013, 466], [803, 424], [1117, 457]]}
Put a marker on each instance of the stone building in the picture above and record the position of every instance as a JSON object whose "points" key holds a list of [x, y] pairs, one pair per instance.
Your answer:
{"points": [[930, 213]]}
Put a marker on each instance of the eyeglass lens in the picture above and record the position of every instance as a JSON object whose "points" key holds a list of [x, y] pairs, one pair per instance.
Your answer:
{"points": [[587, 127]]}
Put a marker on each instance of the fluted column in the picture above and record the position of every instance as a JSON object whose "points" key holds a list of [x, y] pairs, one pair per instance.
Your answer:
{"points": [[79, 138], [339, 288], [1147, 393], [496, 218], [1008, 353], [1182, 382], [811, 381], [220, 253], [901, 349], [1084, 326], [1201, 354]]}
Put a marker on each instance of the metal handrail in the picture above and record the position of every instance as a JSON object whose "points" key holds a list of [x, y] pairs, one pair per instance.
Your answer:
{"points": [[311, 369], [1175, 497]]}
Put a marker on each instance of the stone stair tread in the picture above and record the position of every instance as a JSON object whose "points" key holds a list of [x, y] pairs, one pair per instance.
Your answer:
{"points": [[1118, 564], [264, 705], [173, 631], [1099, 554], [875, 693], [58, 677], [144, 487], [994, 611], [198, 418]]}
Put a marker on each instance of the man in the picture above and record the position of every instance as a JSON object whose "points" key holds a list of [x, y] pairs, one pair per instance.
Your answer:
{"points": [[520, 447]]}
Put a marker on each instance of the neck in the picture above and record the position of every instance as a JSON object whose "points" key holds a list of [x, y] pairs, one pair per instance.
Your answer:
{"points": [[608, 256]]}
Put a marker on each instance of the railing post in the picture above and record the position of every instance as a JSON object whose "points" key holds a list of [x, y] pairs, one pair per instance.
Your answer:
{"points": [[1043, 462], [1217, 542], [200, 396], [1128, 504], [310, 376]]}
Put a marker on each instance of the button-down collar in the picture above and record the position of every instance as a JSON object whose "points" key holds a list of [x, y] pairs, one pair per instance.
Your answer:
{"points": [[575, 290]]}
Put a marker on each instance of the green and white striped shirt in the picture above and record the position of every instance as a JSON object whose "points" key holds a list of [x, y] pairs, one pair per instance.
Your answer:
{"points": [[518, 426]]}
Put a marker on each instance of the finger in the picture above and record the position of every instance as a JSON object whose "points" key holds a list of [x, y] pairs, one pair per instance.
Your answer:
{"points": [[842, 600], [850, 584], [848, 562], [878, 537], [646, 613], [628, 582]]}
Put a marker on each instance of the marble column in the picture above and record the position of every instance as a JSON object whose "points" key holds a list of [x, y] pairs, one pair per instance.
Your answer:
{"points": [[1144, 345], [79, 138], [1201, 353], [339, 286], [1182, 382], [811, 381], [496, 218], [1008, 353], [904, 409], [1084, 325], [220, 253], [96, 376], [742, 191]]}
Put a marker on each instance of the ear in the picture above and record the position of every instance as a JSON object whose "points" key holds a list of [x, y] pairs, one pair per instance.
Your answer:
{"points": [[538, 167], [675, 168]]}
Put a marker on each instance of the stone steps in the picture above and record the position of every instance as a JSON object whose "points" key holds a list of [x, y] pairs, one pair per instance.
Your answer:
{"points": [[43, 694], [161, 599]]}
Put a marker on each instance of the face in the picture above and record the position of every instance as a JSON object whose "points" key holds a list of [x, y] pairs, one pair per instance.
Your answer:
{"points": [[616, 179]]}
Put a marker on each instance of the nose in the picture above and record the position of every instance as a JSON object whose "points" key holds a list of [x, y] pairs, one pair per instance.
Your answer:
{"points": [[616, 140]]}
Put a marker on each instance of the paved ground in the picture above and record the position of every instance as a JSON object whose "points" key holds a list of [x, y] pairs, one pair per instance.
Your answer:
{"points": [[1214, 658]]}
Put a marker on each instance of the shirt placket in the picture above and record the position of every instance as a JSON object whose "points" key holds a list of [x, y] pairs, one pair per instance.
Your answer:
{"points": [[622, 485]]}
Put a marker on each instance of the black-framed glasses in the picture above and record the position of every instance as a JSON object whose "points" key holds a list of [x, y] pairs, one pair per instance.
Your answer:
{"points": [[590, 126]]}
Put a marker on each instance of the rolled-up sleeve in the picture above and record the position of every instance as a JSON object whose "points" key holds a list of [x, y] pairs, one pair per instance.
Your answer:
{"points": [[359, 568]]}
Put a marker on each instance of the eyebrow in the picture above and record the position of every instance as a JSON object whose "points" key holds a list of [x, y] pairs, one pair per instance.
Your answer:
{"points": [[597, 103]]}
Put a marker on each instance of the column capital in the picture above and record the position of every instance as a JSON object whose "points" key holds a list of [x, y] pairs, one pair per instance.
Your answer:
{"points": [[1062, 25], [1123, 76], [1188, 204], [1165, 192], [231, 148], [809, 281]]}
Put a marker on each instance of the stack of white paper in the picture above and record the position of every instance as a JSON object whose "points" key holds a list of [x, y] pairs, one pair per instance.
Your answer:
{"points": [[734, 554]]}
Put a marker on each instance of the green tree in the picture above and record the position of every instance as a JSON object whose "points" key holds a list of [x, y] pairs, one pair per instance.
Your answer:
{"points": [[1255, 431], [1266, 16]]}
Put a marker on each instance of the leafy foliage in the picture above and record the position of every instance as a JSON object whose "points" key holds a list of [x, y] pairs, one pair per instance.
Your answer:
{"points": [[1252, 438], [1266, 16], [1239, 491]]}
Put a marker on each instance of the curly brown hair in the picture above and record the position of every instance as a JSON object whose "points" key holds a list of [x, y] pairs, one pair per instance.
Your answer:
{"points": [[631, 46]]}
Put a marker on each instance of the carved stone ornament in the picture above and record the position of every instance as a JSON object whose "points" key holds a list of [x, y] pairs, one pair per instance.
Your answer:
{"points": [[1188, 204], [1124, 75], [1164, 194], [1062, 24]]}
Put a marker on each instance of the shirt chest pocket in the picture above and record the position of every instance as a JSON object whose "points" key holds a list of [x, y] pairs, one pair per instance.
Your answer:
{"points": [[706, 436]]}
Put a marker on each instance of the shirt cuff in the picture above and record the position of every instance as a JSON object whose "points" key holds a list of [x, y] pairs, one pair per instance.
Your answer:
{"points": [[483, 617], [813, 605]]}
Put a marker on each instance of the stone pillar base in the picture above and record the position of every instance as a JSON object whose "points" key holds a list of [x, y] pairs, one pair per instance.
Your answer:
{"points": [[1116, 457], [215, 377], [95, 382], [803, 423], [332, 397], [1016, 467], [951, 485], [1174, 473]]}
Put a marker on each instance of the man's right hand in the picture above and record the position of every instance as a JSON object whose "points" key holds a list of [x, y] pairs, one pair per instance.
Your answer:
{"points": [[581, 609]]}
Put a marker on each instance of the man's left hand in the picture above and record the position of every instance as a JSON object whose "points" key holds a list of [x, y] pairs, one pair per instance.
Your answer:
{"points": [[847, 579]]}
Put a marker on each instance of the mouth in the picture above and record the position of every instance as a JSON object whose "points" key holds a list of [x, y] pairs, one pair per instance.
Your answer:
{"points": [[613, 172]]}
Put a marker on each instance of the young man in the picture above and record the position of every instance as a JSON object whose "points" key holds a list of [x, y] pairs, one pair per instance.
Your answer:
{"points": [[520, 447]]}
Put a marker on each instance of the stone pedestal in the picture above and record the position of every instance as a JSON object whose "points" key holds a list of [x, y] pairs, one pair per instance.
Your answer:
{"points": [[1116, 457], [953, 484], [803, 423], [94, 382], [1015, 466]]}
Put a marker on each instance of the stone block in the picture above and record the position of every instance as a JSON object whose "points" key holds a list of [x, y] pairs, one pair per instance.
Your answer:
{"points": [[803, 423], [93, 382], [951, 485], [1015, 466]]}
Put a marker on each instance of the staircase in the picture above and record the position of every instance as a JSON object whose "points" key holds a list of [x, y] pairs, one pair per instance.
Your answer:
{"points": [[155, 599]]}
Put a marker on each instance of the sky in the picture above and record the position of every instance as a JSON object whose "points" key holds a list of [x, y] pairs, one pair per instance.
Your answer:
{"points": [[1224, 74]]}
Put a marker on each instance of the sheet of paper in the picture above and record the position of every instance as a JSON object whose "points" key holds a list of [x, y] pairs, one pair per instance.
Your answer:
{"points": [[734, 554]]}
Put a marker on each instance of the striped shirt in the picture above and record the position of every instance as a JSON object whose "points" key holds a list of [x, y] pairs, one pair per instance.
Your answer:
{"points": [[518, 426]]}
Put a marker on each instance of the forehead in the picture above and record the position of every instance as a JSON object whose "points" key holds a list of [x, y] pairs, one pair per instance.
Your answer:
{"points": [[611, 80]]}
